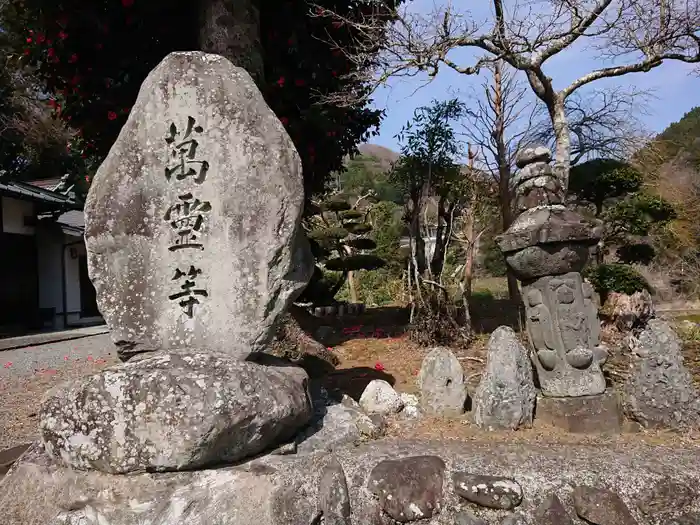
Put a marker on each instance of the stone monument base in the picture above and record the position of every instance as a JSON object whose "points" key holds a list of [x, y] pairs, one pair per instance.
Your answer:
{"points": [[581, 415]]}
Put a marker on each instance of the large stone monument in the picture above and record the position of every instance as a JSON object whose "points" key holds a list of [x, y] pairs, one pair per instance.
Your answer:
{"points": [[194, 245], [193, 219], [546, 247]]}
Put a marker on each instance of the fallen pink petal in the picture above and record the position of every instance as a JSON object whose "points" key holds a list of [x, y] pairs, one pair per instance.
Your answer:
{"points": [[8, 364]]}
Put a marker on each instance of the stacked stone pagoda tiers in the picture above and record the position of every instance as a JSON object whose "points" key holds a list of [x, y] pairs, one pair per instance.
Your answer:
{"points": [[547, 247]]}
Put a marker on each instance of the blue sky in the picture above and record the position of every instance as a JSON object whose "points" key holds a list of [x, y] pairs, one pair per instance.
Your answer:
{"points": [[675, 90]]}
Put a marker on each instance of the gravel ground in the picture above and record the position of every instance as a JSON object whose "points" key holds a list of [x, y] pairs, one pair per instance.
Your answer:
{"points": [[27, 373]]}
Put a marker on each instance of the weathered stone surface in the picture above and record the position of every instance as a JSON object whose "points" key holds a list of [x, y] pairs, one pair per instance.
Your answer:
{"points": [[505, 397], [411, 406], [530, 155], [562, 323], [516, 519], [37, 491], [495, 492], [581, 415], [601, 507], [552, 512], [441, 383], [461, 517], [691, 518], [10, 455], [193, 219], [336, 424], [544, 225], [536, 170], [410, 488], [379, 397], [333, 497], [625, 312], [666, 496], [173, 411], [659, 392]]}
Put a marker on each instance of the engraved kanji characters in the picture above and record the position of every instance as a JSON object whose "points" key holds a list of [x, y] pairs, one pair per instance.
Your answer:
{"points": [[187, 218], [183, 154], [189, 293]]}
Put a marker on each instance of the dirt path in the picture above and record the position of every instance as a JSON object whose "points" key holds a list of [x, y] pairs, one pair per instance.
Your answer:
{"points": [[27, 373]]}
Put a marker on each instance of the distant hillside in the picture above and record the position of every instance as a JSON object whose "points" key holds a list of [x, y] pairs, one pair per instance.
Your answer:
{"points": [[375, 158], [680, 141]]}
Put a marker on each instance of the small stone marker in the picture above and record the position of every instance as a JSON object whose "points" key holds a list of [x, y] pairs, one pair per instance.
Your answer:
{"points": [[505, 398], [441, 383], [193, 219]]}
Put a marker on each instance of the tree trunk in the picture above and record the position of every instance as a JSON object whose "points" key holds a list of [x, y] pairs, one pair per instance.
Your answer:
{"points": [[504, 170], [352, 286], [542, 86], [231, 28], [467, 276], [417, 235], [562, 140], [442, 233]]}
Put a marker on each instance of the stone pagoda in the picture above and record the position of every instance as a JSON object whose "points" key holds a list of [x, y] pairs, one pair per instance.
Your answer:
{"points": [[547, 247]]}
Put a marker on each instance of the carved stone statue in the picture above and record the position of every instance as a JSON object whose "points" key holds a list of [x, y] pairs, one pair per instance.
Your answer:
{"points": [[546, 247]]}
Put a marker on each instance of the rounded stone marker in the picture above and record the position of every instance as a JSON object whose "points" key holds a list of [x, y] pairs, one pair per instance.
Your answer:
{"points": [[494, 492]]}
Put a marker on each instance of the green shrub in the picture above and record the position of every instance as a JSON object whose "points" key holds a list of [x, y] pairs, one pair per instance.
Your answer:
{"points": [[482, 295], [640, 253], [620, 278]]}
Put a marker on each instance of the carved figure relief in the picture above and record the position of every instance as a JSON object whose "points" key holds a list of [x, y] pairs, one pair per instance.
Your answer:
{"points": [[539, 323], [571, 318], [591, 309]]}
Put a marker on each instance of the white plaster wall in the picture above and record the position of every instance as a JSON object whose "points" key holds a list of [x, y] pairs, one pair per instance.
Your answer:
{"points": [[73, 275], [49, 262], [13, 213], [50, 250]]}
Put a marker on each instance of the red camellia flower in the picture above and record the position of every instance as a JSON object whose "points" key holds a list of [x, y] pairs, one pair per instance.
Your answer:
{"points": [[290, 42], [299, 82], [127, 3], [334, 73], [27, 52], [379, 367], [51, 52], [280, 81], [41, 39], [62, 35], [284, 120], [29, 40], [73, 58], [52, 103], [111, 115]]}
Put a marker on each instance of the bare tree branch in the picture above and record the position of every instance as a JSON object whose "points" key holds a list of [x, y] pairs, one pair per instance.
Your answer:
{"points": [[631, 35]]}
